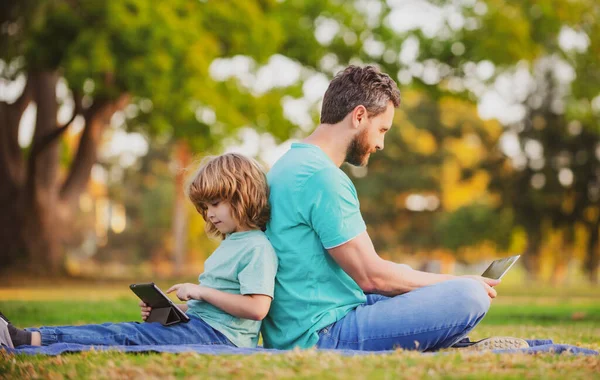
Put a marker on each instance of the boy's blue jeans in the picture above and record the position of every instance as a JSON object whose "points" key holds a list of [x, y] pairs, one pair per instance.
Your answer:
{"points": [[425, 319], [196, 331]]}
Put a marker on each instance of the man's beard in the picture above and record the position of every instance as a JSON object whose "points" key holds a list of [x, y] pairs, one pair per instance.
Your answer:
{"points": [[358, 151]]}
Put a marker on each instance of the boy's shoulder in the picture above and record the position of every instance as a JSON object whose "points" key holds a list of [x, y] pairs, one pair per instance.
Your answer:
{"points": [[259, 247], [260, 237], [257, 239]]}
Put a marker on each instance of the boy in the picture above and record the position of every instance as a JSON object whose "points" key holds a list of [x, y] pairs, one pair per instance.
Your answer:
{"points": [[235, 291]]}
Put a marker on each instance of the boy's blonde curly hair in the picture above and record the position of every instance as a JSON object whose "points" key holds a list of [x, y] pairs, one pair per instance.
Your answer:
{"points": [[236, 179]]}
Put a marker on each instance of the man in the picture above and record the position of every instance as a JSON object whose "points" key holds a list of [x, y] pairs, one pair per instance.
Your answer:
{"points": [[326, 259]]}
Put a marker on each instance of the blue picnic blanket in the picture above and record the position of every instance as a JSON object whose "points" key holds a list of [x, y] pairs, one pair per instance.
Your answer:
{"points": [[536, 346]]}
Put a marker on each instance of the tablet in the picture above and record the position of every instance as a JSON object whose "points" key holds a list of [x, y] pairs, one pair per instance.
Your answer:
{"points": [[499, 267], [163, 309]]}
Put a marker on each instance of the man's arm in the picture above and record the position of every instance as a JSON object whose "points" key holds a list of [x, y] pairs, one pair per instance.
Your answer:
{"points": [[376, 275]]}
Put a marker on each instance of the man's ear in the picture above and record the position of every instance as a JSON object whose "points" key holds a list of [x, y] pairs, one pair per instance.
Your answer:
{"points": [[359, 114]]}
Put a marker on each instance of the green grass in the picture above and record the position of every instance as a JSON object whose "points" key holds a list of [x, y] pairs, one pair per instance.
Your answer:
{"points": [[566, 315]]}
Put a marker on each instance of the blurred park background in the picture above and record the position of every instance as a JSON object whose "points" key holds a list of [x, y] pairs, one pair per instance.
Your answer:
{"points": [[106, 105]]}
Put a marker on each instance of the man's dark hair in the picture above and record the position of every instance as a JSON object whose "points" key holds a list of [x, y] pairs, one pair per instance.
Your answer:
{"points": [[355, 86]]}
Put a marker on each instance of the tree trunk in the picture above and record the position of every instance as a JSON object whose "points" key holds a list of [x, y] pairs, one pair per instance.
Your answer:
{"points": [[592, 259], [28, 230], [29, 236], [11, 180], [180, 216], [14, 251], [36, 207], [531, 256], [41, 233], [41, 222], [561, 265]]}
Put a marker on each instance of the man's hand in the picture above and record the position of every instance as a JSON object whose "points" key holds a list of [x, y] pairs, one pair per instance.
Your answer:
{"points": [[187, 291], [488, 284], [145, 310]]}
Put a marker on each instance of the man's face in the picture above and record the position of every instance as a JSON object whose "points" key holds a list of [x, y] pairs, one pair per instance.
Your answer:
{"points": [[370, 138]]}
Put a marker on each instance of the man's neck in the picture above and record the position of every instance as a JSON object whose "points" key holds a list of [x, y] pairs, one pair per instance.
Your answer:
{"points": [[327, 137]]}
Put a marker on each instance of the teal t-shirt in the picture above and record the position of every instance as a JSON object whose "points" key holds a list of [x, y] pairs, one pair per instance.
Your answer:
{"points": [[314, 207], [244, 263]]}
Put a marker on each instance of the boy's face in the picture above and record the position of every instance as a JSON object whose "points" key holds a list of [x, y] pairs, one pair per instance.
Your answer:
{"points": [[219, 214]]}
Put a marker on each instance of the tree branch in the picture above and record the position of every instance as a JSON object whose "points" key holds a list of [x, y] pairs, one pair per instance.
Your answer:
{"points": [[23, 101], [96, 118], [11, 159], [42, 143]]}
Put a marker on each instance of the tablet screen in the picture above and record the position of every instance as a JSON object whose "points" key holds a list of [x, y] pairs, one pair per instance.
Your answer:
{"points": [[150, 294], [498, 268]]}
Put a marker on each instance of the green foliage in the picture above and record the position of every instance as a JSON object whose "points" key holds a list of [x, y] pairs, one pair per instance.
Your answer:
{"points": [[508, 34], [428, 135], [511, 36], [161, 53], [147, 191], [473, 224]]}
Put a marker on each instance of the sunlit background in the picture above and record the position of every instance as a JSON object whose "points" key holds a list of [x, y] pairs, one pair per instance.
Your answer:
{"points": [[105, 106]]}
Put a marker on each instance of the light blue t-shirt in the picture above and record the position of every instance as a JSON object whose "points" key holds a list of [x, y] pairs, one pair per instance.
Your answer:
{"points": [[244, 263], [314, 207]]}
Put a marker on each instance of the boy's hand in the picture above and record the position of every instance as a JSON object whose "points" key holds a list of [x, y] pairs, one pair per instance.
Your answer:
{"points": [[187, 291], [145, 310]]}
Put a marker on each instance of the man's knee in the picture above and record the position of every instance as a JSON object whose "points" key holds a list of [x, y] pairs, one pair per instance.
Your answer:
{"points": [[471, 295]]}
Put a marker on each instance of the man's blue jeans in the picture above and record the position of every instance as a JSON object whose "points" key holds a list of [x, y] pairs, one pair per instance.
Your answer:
{"points": [[425, 319], [196, 331]]}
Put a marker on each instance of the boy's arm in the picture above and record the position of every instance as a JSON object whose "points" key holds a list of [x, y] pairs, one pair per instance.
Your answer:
{"points": [[376, 275], [250, 306]]}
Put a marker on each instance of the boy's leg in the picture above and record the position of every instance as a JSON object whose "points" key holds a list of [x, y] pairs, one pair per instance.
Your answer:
{"points": [[196, 331], [425, 319], [17, 337]]}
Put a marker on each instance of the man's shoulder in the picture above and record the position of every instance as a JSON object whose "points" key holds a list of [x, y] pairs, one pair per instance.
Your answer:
{"points": [[303, 171]]}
